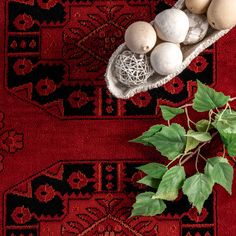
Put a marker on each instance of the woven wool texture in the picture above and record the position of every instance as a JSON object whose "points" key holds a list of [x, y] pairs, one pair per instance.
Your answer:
{"points": [[66, 166]]}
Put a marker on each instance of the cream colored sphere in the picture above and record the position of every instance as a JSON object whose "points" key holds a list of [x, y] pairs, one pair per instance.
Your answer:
{"points": [[198, 6], [166, 58], [198, 28], [172, 25], [140, 37], [221, 14]]}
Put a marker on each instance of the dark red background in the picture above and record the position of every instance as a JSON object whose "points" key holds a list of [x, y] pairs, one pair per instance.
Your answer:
{"points": [[48, 139]]}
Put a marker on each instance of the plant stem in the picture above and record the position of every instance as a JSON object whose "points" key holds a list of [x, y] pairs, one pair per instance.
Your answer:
{"points": [[186, 105], [209, 124], [196, 161], [196, 150], [188, 118], [187, 154], [224, 150], [168, 122], [202, 157], [174, 160], [232, 99]]}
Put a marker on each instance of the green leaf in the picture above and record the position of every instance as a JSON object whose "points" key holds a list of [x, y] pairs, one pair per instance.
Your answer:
{"points": [[147, 206], [170, 141], [225, 121], [154, 170], [221, 172], [198, 188], [149, 181], [153, 130], [200, 136], [202, 125], [207, 98], [192, 143], [169, 113], [211, 162], [170, 184], [229, 140]]}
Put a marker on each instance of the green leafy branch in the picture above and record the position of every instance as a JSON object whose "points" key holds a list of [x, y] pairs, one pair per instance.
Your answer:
{"points": [[179, 145]]}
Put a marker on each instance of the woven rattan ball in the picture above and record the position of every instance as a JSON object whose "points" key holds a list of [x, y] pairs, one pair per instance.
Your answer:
{"points": [[132, 69]]}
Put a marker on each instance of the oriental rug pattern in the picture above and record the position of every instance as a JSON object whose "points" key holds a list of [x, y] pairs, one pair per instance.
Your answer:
{"points": [[95, 198], [57, 53]]}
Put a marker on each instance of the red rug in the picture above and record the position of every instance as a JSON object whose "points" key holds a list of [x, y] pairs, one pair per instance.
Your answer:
{"points": [[66, 165]]}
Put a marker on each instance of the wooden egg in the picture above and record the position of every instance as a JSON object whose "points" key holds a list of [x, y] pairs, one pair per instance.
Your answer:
{"points": [[198, 27], [198, 6], [221, 14], [172, 25], [166, 58], [140, 37]]}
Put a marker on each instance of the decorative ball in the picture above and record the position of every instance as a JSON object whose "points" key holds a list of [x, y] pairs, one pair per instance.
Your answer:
{"points": [[132, 69], [172, 25], [198, 6], [198, 27], [166, 58], [221, 14], [140, 37]]}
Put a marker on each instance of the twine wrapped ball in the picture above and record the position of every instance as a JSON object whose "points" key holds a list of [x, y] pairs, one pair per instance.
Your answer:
{"points": [[132, 69]]}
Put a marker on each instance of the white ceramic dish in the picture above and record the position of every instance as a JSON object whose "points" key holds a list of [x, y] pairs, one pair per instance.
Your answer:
{"points": [[120, 90]]}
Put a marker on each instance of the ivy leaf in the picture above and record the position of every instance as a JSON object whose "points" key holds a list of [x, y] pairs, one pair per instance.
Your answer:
{"points": [[153, 130], [202, 125], [147, 206], [198, 188], [211, 162], [154, 170], [170, 141], [149, 181], [226, 121], [207, 98], [169, 113], [229, 140], [170, 184], [192, 143], [200, 136], [221, 172]]}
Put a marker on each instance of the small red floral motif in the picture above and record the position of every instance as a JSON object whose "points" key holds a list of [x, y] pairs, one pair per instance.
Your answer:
{"points": [[175, 86], [141, 99], [109, 185], [10, 141], [33, 44], [45, 87], [77, 180], [1, 120], [78, 99], [23, 22], [198, 65], [45, 193], [23, 66], [109, 230], [109, 177], [109, 109], [14, 44], [23, 44], [194, 216], [21, 215], [109, 168], [47, 4]]}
